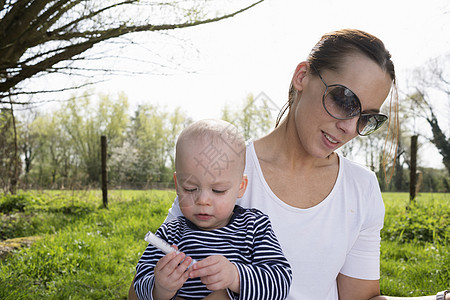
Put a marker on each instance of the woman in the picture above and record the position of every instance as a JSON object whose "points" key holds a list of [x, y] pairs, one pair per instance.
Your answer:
{"points": [[326, 211]]}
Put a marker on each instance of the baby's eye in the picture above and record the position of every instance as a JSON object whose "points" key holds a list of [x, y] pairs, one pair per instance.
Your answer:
{"points": [[219, 191], [190, 190]]}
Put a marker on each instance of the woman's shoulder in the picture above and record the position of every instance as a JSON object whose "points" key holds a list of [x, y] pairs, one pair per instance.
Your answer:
{"points": [[352, 166]]}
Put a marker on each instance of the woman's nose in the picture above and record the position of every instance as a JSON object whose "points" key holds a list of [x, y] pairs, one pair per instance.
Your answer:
{"points": [[348, 126]]}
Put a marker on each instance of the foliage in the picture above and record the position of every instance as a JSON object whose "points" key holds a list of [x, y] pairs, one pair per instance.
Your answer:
{"points": [[62, 148], [423, 221], [93, 252], [85, 125], [253, 118], [152, 140], [429, 180], [12, 203]]}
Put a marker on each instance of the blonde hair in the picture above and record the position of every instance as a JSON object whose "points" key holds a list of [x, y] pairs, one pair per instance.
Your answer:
{"points": [[216, 131]]}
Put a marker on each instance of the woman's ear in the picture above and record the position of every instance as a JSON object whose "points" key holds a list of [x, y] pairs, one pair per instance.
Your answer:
{"points": [[299, 75]]}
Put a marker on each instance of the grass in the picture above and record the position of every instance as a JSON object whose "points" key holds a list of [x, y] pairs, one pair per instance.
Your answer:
{"points": [[88, 252], [414, 250]]}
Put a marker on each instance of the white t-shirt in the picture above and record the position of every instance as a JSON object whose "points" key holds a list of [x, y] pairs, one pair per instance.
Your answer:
{"points": [[341, 234]]}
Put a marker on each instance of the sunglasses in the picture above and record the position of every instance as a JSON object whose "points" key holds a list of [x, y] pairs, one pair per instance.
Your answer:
{"points": [[342, 104]]}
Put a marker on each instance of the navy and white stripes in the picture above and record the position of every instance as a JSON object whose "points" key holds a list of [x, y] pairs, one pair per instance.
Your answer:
{"points": [[247, 241]]}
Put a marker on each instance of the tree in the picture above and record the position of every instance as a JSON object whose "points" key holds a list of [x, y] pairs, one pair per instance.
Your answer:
{"points": [[254, 118], [46, 36], [54, 160], [30, 141], [153, 136], [10, 162], [85, 124], [177, 122], [432, 81], [42, 37]]}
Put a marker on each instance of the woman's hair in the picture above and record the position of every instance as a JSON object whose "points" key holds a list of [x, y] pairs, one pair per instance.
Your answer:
{"points": [[330, 53]]}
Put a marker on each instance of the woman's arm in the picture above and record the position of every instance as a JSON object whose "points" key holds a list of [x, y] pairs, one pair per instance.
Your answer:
{"points": [[131, 293], [222, 295], [355, 289]]}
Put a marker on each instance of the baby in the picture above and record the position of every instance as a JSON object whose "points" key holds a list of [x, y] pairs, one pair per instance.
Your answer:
{"points": [[236, 250]]}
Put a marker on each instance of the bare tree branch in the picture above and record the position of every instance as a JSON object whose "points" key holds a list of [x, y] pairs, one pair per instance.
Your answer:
{"points": [[433, 78], [36, 36]]}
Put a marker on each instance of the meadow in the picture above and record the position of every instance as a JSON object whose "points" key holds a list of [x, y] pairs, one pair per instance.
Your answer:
{"points": [[84, 251]]}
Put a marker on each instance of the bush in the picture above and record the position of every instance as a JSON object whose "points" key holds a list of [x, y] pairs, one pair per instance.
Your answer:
{"points": [[420, 221], [13, 203]]}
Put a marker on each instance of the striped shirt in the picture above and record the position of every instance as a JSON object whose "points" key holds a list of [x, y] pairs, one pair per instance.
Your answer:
{"points": [[247, 241]]}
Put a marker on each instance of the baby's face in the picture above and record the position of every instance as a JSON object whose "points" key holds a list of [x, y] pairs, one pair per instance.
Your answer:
{"points": [[208, 180]]}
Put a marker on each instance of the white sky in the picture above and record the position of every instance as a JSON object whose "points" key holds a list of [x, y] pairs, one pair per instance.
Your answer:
{"points": [[258, 50]]}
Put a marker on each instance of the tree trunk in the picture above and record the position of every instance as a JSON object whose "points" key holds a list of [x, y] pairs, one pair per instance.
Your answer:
{"points": [[14, 179]]}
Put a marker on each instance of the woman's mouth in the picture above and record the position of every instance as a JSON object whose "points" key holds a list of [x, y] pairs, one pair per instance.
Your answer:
{"points": [[330, 139]]}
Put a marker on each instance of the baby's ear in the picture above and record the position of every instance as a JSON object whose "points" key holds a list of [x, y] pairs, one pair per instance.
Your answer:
{"points": [[175, 179], [243, 186]]}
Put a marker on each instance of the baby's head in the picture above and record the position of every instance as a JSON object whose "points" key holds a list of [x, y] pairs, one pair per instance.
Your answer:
{"points": [[209, 163]]}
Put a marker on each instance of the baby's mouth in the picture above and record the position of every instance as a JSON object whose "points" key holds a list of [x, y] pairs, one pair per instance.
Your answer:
{"points": [[203, 217]]}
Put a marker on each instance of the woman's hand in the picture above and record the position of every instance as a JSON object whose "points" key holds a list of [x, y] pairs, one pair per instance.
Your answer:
{"points": [[217, 273]]}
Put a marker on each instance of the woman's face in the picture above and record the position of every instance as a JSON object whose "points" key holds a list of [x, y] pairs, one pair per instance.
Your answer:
{"points": [[319, 133]]}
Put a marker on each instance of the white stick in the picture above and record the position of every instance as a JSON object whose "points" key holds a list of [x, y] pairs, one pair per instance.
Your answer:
{"points": [[162, 245], [159, 243]]}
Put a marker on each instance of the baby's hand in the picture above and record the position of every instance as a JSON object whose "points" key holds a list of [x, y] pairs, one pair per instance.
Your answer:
{"points": [[170, 274], [217, 273]]}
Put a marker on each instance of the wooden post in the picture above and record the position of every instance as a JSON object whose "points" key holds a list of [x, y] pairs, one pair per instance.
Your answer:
{"points": [[104, 172], [413, 169]]}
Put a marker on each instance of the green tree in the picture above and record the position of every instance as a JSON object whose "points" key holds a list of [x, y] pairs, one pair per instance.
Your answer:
{"points": [[253, 118], [153, 136], [55, 164], [31, 143], [147, 155], [85, 124], [177, 122]]}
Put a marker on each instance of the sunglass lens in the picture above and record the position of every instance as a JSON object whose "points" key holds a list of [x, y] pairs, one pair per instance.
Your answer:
{"points": [[341, 102], [367, 124]]}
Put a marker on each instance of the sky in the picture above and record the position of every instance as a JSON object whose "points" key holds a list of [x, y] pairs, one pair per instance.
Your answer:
{"points": [[258, 50]]}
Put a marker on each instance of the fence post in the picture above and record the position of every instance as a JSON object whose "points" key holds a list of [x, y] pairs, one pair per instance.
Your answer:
{"points": [[413, 171], [104, 172]]}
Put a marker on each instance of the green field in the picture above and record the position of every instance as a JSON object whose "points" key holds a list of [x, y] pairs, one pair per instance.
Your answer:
{"points": [[88, 252]]}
